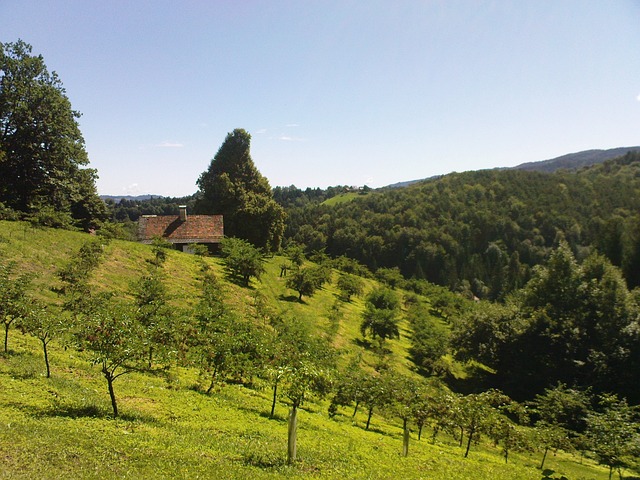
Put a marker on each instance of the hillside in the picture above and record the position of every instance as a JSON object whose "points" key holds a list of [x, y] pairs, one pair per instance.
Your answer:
{"points": [[575, 161], [169, 428], [570, 161], [440, 230]]}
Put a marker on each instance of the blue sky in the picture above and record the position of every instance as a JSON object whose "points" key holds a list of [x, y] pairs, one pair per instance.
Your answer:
{"points": [[336, 92]]}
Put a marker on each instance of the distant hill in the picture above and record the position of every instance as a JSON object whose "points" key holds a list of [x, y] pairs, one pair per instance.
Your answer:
{"points": [[574, 161], [117, 198], [570, 161]]}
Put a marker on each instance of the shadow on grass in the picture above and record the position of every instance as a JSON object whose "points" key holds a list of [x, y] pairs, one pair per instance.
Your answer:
{"points": [[81, 411], [372, 347], [239, 281], [275, 418], [264, 459], [291, 298]]}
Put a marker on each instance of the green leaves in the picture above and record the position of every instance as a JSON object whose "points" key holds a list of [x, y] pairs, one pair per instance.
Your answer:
{"points": [[43, 149], [233, 186], [380, 317], [242, 260]]}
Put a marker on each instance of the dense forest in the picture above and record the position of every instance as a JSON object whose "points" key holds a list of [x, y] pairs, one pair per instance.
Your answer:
{"points": [[479, 232]]}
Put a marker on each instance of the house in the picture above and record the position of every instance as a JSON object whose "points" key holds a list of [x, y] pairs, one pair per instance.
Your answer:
{"points": [[182, 230]]}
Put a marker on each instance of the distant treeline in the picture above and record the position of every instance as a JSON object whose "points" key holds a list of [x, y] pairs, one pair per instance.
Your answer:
{"points": [[126, 210]]}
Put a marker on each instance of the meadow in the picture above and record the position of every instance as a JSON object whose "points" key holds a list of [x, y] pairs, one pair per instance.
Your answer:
{"points": [[62, 427]]}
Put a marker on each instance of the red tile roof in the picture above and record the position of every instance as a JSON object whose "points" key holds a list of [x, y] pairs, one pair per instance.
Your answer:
{"points": [[196, 229]]}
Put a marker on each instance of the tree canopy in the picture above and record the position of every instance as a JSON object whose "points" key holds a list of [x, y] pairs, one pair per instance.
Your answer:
{"points": [[232, 186], [42, 152]]}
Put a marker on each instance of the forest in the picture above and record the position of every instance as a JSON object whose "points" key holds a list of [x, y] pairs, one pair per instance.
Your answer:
{"points": [[496, 304]]}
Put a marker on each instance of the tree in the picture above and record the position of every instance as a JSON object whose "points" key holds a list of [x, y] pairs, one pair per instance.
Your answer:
{"points": [[153, 312], [407, 398], [350, 286], [306, 369], [241, 259], [613, 430], [13, 297], [476, 413], [232, 186], [45, 325], [306, 280], [43, 149], [376, 392], [380, 317], [428, 342], [109, 331], [75, 276], [561, 413]]}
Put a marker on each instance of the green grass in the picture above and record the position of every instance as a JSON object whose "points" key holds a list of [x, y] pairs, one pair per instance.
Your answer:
{"points": [[62, 427], [342, 198]]}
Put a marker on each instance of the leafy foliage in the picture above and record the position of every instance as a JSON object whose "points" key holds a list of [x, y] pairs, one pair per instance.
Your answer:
{"points": [[480, 232], [232, 186], [13, 297], [380, 317], [42, 149], [242, 259], [109, 331], [572, 323]]}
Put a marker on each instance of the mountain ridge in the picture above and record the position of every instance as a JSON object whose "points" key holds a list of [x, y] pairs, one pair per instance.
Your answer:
{"points": [[569, 161]]}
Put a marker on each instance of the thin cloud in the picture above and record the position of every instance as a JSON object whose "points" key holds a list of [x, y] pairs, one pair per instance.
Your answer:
{"points": [[170, 145], [287, 138], [638, 97], [292, 125], [133, 189], [261, 131]]}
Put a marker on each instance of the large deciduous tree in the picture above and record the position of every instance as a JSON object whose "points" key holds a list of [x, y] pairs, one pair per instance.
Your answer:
{"points": [[232, 186], [42, 150]]}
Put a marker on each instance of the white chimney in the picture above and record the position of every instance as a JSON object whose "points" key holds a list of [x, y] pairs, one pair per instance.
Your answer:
{"points": [[183, 213]]}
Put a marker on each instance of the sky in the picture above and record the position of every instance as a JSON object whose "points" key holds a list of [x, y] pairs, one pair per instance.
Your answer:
{"points": [[344, 92]]}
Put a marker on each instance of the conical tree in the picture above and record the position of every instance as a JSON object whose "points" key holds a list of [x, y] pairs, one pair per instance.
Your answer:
{"points": [[232, 186]]}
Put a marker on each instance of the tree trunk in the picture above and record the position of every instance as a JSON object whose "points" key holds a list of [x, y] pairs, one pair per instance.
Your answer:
{"points": [[355, 410], [420, 430], [150, 357], [293, 432], [434, 435], [471, 432], [369, 418], [273, 404], [405, 438], [544, 457], [461, 435], [213, 380], [112, 394], [46, 358], [6, 338]]}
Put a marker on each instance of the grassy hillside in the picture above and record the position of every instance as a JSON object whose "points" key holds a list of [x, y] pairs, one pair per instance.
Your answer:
{"points": [[62, 427]]}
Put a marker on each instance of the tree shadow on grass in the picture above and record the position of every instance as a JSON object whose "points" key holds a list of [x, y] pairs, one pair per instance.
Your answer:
{"points": [[371, 346], [239, 281], [263, 458], [88, 410], [276, 417], [291, 298]]}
